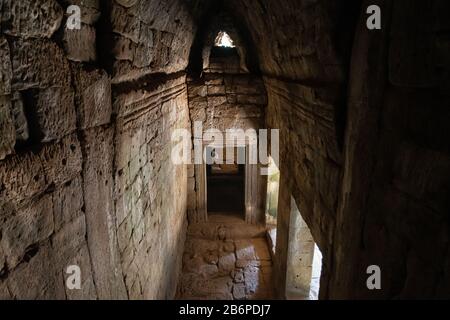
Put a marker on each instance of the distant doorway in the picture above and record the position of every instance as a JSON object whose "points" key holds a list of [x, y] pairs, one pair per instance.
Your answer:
{"points": [[225, 186]]}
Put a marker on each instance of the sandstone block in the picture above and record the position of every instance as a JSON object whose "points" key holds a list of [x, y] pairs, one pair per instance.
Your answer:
{"points": [[93, 93], [5, 67], [216, 90], [239, 291], [248, 99], [55, 112], [90, 10], [32, 68], [4, 292], [216, 101], [80, 45], [227, 262], [123, 48], [124, 24], [20, 120], [68, 202], [81, 258], [62, 160], [70, 239], [42, 277]]}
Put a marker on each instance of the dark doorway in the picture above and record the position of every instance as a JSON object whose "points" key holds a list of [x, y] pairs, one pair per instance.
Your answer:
{"points": [[226, 189]]}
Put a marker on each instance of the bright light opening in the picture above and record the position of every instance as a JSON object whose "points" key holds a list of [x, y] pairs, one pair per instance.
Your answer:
{"points": [[224, 40]]}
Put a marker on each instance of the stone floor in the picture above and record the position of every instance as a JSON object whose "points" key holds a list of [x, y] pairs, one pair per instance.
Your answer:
{"points": [[226, 259]]}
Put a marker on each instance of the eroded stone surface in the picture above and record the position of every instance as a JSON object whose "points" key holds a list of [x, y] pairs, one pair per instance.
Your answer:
{"points": [[226, 269], [31, 225], [5, 67]]}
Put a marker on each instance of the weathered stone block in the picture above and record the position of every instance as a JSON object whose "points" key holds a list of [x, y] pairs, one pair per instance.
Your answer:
{"points": [[248, 99], [28, 227], [81, 258], [239, 291], [245, 250], [7, 128], [70, 239], [412, 51], [213, 80], [195, 90], [43, 281], [21, 177], [4, 292], [216, 90], [227, 262], [93, 94], [99, 206], [97, 103], [216, 101], [123, 48], [144, 55], [20, 120], [90, 10]]}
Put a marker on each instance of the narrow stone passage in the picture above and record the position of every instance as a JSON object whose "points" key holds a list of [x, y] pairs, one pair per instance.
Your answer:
{"points": [[226, 258], [125, 124]]}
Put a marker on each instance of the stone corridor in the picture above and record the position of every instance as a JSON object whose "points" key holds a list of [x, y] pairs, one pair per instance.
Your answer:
{"points": [[225, 258], [94, 94]]}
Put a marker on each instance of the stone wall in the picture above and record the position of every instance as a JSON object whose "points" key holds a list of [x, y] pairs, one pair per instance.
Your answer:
{"points": [[222, 101], [394, 206], [150, 191], [366, 198], [86, 183], [149, 37], [309, 157], [151, 43], [300, 257], [56, 168], [83, 183]]}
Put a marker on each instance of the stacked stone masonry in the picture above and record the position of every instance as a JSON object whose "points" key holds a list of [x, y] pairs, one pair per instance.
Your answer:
{"points": [[86, 118], [222, 101]]}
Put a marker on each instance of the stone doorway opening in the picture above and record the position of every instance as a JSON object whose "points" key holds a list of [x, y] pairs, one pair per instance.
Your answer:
{"points": [[225, 182]]}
